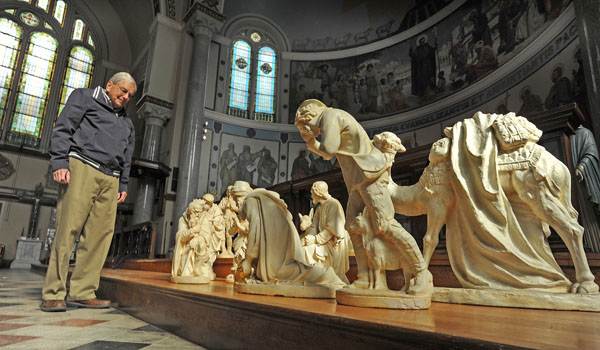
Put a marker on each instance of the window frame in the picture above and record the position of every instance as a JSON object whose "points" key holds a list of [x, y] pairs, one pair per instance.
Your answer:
{"points": [[255, 48], [62, 33]]}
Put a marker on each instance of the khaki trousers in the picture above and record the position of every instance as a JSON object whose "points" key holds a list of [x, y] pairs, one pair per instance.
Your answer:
{"points": [[90, 201]]}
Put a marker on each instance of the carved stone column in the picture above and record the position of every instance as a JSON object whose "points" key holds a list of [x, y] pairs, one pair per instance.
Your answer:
{"points": [[155, 115], [201, 22], [587, 14]]}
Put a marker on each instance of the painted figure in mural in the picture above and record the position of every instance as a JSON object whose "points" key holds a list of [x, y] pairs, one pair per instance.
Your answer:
{"points": [[561, 92], [363, 96], [229, 209], [511, 191], [587, 171], [397, 97], [366, 174], [422, 65], [510, 12], [319, 165], [532, 103], [194, 254], [274, 249], [485, 62], [267, 169], [441, 85], [228, 167], [481, 29], [372, 88], [384, 102], [245, 167], [301, 166], [326, 240]]}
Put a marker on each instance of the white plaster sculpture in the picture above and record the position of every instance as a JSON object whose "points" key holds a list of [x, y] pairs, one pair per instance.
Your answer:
{"points": [[240, 244], [366, 172], [275, 262], [432, 195], [229, 210], [194, 254], [326, 240], [216, 224], [510, 191]]}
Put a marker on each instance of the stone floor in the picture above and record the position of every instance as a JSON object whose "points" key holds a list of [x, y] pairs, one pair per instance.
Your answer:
{"points": [[24, 326]]}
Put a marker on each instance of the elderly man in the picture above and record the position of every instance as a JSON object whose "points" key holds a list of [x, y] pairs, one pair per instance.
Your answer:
{"points": [[91, 147], [327, 234], [366, 173], [274, 246]]}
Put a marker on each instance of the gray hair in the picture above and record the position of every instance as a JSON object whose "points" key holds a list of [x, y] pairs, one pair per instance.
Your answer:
{"points": [[122, 76]]}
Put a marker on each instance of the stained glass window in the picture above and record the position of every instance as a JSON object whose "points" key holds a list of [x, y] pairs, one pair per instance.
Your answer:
{"points": [[29, 1], [78, 29], [35, 84], [44, 4], [240, 79], [30, 19], [10, 40], [90, 40], [265, 85], [78, 73], [11, 11], [60, 8]]}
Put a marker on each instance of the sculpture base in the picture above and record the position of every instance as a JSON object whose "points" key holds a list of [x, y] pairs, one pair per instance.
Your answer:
{"points": [[190, 279], [383, 299], [517, 298], [286, 290]]}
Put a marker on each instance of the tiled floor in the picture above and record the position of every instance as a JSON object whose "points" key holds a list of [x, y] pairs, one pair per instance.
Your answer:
{"points": [[24, 326]]}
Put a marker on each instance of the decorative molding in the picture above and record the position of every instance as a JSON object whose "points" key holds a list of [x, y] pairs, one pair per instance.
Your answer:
{"points": [[199, 7], [154, 100], [154, 114], [171, 12]]}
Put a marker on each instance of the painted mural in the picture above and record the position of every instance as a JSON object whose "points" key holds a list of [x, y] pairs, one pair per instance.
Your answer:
{"points": [[250, 160], [465, 46]]}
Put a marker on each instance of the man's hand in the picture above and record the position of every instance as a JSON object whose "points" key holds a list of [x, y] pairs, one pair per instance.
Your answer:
{"points": [[62, 176], [579, 173], [121, 197]]}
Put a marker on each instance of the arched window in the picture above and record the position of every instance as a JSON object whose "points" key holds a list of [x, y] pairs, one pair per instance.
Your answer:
{"points": [[240, 79], [10, 42], [253, 77], [45, 53]]}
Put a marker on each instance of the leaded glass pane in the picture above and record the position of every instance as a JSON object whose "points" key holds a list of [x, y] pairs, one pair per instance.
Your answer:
{"points": [[10, 40], [78, 28], [78, 73], [35, 85], [59, 11], [240, 76], [47, 26], [29, 1], [11, 11], [44, 4], [90, 40], [30, 19], [265, 83]]}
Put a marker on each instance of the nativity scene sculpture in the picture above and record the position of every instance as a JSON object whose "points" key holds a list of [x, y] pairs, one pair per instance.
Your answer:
{"points": [[510, 189], [197, 242], [366, 172], [275, 262]]}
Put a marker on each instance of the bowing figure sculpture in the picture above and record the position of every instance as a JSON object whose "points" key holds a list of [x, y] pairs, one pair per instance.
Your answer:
{"points": [[366, 172], [275, 263]]}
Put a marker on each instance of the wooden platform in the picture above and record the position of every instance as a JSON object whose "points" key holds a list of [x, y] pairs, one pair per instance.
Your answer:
{"points": [[216, 317]]}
